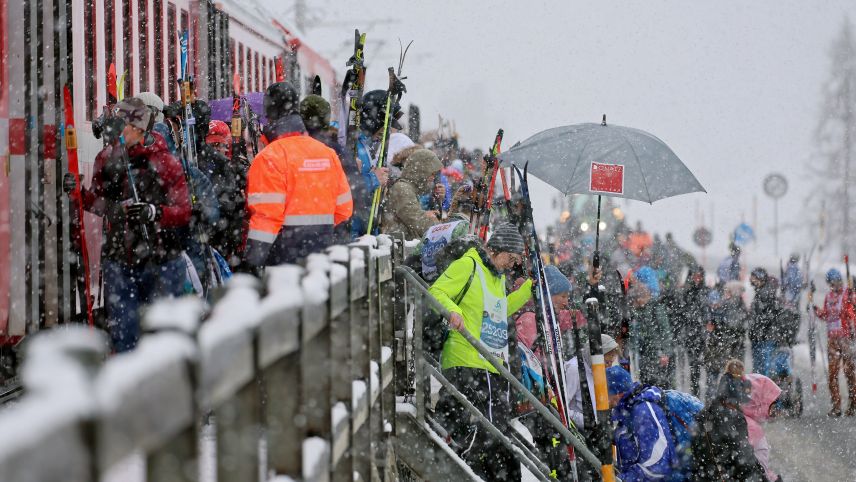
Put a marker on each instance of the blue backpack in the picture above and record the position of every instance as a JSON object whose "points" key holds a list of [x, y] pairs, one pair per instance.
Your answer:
{"points": [[681, 409]]}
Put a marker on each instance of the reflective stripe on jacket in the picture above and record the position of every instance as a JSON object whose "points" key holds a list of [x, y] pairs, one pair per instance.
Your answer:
{"points": [[296, 181]]}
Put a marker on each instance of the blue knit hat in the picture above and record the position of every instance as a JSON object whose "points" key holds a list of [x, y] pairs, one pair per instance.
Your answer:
{"points": [[647, 276], [618, 380], [833, 275], [557, 282]]}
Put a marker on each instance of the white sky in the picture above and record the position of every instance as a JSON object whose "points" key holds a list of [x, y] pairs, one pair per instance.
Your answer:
{"points": [[732, 86]]}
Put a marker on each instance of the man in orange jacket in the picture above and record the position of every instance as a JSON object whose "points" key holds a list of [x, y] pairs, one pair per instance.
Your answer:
{"points": [[296, 188]]}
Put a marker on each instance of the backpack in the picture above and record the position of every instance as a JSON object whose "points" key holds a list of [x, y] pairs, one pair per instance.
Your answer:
{"points": [[455, 250], [681, 410]]}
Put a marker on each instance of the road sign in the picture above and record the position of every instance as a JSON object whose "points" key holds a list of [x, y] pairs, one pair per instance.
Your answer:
{"points": [[702, 237], [775, 185]]}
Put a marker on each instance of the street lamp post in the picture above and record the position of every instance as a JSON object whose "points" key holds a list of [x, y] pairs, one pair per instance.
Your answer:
{"points": [[775, 186]]}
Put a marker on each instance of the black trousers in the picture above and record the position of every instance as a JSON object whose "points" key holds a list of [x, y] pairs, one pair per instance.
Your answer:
{"points": [[490, 394]]}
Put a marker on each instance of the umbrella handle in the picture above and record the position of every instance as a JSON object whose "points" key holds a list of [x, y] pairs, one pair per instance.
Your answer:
{"points": [[595, 262]]}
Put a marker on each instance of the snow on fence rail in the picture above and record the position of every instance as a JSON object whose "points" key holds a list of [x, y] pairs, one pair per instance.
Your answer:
{"points": [[303, 361]]}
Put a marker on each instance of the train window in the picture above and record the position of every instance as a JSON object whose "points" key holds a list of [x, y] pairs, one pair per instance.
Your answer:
{"points": [[265, 81], [143, 32], [90, 74], [272, 71], [172, 46], [234, 60], [256, 73], [157, 18], [249, 80], [109, 33], [241, 64], [128, 46]]}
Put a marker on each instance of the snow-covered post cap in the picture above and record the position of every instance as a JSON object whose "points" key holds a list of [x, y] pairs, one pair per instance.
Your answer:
{"points": [[63, 359], [174, 314]]}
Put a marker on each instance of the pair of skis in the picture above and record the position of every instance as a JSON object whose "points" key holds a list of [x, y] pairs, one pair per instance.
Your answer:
{"points": [[393, 96], [483, 192], [352, 95], [545, 315]]}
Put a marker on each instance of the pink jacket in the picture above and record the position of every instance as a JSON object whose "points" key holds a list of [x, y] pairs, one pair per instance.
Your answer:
{"points": [[764, 393]]}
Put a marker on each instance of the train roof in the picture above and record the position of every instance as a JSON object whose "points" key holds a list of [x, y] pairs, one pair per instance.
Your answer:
{"points": [[254, 17]]}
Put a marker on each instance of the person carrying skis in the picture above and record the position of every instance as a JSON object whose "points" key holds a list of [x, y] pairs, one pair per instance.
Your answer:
{"points": [[296, 188], [228, 180], [729, 269], [762, 326], [793, 283], [404, 211], [840, 317], [141, 190], [477, 279], [644, 447], [368, 145], [693, 316], [720, 448], [219, 138]]}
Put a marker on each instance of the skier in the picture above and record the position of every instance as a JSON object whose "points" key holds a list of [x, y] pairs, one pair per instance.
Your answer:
{"points": [[483, 311], [296, 188], [729, 269], [219, 138], [404, 212], [792, 283], [652, 332], [721, 449], [762, 326], [644, 445], [228, 180], [757, 410], [144, 196], [840, 320], [368, 145], [692, 318], [726, 330]]}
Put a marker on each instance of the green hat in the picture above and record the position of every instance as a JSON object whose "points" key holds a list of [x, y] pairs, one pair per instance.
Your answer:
{"points": [[315, 111]]}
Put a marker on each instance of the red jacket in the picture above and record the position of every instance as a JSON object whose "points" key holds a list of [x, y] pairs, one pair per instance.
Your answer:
{"points": [[839, 314], [159, 179]]}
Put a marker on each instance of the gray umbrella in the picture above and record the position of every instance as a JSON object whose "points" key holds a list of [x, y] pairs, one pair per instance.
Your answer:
{"points": [[605, 160]]}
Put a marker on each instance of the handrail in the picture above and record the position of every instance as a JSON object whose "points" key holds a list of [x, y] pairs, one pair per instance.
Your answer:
{"points": [[537, 468], [503, 371]]}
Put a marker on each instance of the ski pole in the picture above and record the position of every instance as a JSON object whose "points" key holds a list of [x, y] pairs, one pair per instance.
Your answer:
{"points": [[132, 183]]}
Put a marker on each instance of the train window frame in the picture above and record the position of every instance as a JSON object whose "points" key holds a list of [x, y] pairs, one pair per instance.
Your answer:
{"points": [[158, 17], [172, 54], [109, 33], [90, 65], [241, 65], [257, 72], [128, 46], [143, 36]]}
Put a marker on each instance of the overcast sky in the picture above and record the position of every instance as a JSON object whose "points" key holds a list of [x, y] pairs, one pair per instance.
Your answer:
{"points": [[732, 86]]}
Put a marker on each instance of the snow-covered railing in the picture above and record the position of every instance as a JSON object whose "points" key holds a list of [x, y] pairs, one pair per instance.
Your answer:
{"points": [[294, 373]]}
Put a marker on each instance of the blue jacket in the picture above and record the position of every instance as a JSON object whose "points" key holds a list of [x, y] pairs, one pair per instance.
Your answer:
{"points": [[425, 200], [643, 439], [793, 283]]}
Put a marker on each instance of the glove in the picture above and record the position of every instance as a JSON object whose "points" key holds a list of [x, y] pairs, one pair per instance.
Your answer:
{"points": [[69, 182], [142, 212]]}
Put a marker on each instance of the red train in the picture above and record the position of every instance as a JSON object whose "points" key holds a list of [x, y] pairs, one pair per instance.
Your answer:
{"points": [[46, 44]]}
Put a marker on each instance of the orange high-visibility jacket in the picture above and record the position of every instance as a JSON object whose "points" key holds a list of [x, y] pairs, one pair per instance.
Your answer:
{"points": [[296, 181]]}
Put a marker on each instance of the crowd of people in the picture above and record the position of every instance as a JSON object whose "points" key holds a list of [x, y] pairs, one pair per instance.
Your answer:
{"points": [[179, 219]]}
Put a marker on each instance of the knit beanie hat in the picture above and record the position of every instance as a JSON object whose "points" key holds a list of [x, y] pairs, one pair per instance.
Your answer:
{"points": [[557, 282], [607, 343], [135, 113], [618, 380], [315, 112], [506, 239]]}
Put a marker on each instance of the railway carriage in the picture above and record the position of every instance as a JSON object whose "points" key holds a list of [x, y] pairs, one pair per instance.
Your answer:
{"points": [[46, 44]]}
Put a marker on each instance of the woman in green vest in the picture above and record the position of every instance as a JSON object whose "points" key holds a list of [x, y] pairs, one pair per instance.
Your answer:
{"points": [[473, 289]]}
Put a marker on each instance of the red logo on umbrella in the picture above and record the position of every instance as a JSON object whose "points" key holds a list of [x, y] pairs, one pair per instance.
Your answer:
{"points": [[607, 178]]}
